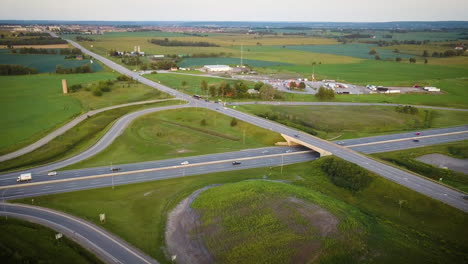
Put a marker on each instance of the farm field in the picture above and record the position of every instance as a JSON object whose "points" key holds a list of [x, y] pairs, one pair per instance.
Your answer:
{"points": [[25, 242], [358, 50], [192, 62], [77, 139], [344, 122], [389, 234], [407, 160], [36, 102], [43, 62], [180, 133]]}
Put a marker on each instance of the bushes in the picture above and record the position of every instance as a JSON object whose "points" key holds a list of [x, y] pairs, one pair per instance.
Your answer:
{"points": [[325, 94], [345, 174], [407, 109], [80, 69], [11, 69]]}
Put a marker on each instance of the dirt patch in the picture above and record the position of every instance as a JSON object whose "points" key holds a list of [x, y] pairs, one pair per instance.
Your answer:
{"points": [[183, 151], [446, 162], [181, 233]]}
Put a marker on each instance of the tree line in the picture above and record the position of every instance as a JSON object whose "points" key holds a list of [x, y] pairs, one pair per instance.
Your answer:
{"points": [[80, 69], [346, 174], [13, 69], [180, 43], [73, 51], [32, 41]]}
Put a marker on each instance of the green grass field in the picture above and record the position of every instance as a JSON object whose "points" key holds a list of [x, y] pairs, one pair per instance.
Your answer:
{"points": [[179, 133], [343, 122], [25, 242], [33, 105], [422, 230], [76, 139], [407, 160]]}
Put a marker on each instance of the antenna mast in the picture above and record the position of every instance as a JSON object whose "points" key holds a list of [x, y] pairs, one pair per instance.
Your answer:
{"points": [[242, 54]]}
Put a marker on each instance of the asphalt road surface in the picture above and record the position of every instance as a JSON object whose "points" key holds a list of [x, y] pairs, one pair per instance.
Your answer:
{"points": [[39, 174], [175, 170], [106, 246]]}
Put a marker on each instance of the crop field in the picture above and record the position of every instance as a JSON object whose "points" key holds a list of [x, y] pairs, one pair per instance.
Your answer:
{"points": [[180, 133], [33, 105], [43, 62], [358, 50], [354, 121], [77, 139], [25, 242], [390, 231], [407, 160], [192, 62]]}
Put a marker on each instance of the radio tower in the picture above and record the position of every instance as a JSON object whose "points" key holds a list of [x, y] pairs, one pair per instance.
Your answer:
{"points": [[242, 54]]}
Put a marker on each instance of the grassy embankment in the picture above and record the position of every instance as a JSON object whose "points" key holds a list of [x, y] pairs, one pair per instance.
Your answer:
{"points": [[180, 133], [34, 105], [76, 139], [25, 242], [397, 225], [407, 160], [346, 122]]}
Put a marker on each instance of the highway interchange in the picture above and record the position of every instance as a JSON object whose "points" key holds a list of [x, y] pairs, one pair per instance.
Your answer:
{"points": [[113, 250]]}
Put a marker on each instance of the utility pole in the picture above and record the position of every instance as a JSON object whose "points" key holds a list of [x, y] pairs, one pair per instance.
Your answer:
{"points": [[282, 163]]}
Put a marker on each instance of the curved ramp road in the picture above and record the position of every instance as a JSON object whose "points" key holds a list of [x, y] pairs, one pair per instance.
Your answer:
{"points": [[67, 127], [106, 246]]}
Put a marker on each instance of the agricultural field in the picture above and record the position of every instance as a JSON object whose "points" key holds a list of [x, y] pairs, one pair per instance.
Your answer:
{"points": [[25, 242], [34, 104], [407, 160], [180, 133], [43, 62], [77, 139], [390, 231], [346, 122], [197, 62]]}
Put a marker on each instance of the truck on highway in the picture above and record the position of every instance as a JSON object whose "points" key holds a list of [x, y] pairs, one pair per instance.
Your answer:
{"points": [[24, 177]]}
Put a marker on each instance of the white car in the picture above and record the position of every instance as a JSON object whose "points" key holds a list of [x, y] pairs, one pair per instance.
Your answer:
{"points": [[52, 173], [184, 163]]}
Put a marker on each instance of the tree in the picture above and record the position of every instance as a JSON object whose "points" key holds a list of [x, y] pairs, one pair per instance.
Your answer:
{"points": [[412, 60], [212, 90], [302, 85], [325, 94], [233, 122], [144, 67], [184, 83], [258, 85], [292, 85], [435, 54], [204, 87], [397, 59], [222, 88], [372, 52], [425, 53], [425, 61], [267, 92], [377, 57], [203, 122]]}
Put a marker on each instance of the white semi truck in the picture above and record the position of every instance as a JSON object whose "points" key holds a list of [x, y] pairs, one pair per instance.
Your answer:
{"points": [[24, 177]]}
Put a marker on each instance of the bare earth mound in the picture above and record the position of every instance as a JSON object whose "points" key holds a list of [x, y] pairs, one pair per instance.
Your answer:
{"points": [[185, 234]]}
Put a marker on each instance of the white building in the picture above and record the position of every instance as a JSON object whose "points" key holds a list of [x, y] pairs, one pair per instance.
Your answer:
{"points": [[432, 89], [216, 68]]}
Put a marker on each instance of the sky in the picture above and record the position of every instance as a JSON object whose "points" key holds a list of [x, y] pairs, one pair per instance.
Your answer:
{"points": [[236, 10]]}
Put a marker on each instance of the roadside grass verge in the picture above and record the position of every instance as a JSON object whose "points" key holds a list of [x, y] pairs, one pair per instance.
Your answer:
{"points": [[180, 133], [75, 140], [355, 121], [407, 160], [25, 242], [399, 225]]}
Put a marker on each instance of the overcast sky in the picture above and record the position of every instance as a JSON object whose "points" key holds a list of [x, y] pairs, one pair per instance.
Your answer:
{"points": [[236, 10]]}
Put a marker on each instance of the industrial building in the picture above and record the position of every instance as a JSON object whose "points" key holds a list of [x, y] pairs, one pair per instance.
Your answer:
{"points": [[216, 68]]}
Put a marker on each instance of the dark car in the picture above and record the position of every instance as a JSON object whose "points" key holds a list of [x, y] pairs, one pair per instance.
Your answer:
{"points": [[296, 135], [415, 140], [115, 169], [236, 163]]}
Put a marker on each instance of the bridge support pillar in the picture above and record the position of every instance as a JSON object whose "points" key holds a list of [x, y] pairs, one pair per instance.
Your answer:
{"points": [[296, 141]]}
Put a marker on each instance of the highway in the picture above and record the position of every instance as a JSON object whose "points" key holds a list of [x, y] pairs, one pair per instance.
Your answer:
{"points": [[104, 178], [105, 245], [419, 184]]}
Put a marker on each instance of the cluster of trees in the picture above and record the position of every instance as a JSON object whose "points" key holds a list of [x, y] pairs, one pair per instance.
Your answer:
{"points": [[346, 174], [13, 69], [290, 120], [81, 38], [80, 69], [32, 41], [131, 60], [240, 90], [209, 55], [325, 94], [162, 65], [102, 87], [180, 43], [407, 109], [447, 53], [300, 86]]}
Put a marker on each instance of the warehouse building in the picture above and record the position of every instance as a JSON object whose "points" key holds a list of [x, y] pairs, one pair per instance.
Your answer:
{"points": [[216, 68]]}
